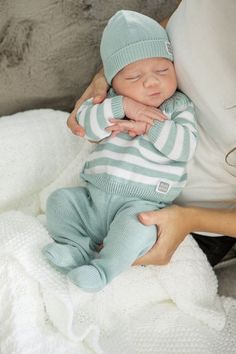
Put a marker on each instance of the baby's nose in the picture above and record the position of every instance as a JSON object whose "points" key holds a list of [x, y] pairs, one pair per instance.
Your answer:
{"points": [[151, 80]]}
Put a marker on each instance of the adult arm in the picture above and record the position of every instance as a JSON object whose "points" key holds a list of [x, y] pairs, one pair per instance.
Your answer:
{"points": [[175, 223], [98, 90]]}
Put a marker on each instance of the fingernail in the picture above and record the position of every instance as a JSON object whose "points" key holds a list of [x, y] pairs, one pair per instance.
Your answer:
{"points": [[79, 134], [98, 97], [140, 216]]}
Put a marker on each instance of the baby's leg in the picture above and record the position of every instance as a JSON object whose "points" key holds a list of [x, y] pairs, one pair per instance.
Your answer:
{"points": [[66, 222], [126, 240]]}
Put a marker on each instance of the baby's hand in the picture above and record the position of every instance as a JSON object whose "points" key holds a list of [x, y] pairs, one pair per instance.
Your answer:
{"points": [[140, 112], [128, 126]]}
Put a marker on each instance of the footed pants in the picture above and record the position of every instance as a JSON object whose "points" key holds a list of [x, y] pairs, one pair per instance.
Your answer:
{"points": [[86, 217]]}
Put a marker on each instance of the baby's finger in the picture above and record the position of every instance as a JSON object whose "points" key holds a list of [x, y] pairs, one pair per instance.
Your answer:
{"points": [[157, 115], [132, 134], [144, 117], [149, 119], [117, 128], [124, 124], [113, 128], [114, 134], [116, 121]]}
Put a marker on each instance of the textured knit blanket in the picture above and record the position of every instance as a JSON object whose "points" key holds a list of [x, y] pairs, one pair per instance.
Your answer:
{"points": [[167, 309]]}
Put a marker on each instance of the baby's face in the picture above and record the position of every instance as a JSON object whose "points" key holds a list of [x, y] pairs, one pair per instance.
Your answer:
{"points": [[148, 81]]}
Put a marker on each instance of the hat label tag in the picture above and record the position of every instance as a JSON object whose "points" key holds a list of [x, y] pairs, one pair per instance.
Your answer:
{"points": [[169, 48]]}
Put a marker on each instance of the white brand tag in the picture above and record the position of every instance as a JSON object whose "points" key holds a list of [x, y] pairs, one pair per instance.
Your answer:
{"points": [[163, 187], [169, 48]]}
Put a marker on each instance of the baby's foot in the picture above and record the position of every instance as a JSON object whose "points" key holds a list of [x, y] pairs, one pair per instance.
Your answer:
{"points": [[65, 257], [88, 278]]}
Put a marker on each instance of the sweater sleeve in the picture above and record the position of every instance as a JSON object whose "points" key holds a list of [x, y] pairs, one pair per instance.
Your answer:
{"points": [[176, 138], [94, 118]]}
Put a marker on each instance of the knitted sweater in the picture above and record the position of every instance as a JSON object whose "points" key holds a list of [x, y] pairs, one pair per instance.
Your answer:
{"points": [[150, 166]]}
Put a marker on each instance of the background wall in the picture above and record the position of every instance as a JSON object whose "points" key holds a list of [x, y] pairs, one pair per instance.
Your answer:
{"points": [[49, 49]]}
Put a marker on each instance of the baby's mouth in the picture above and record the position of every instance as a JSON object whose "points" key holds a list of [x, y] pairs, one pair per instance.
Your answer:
{"points": [[154, 94]]}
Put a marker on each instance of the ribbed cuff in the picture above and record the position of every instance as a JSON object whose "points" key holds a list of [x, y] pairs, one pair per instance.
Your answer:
{"points": [[154, 132], [117, 107]]}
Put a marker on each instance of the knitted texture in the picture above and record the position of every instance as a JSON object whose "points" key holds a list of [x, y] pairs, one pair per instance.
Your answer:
{"points": [[35, 148], [174, 308], [130, 36], [150, 166], [42, 313], [124, 237]]}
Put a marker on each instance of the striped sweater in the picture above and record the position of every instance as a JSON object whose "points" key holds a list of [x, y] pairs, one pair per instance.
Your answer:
{"points": [[151, 166]]}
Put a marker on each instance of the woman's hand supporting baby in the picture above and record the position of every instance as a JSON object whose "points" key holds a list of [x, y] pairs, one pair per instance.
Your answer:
{"points": [[98, 90]]}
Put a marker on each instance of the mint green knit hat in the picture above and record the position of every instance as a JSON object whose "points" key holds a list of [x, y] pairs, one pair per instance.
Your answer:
{"points": [[130, 36]]}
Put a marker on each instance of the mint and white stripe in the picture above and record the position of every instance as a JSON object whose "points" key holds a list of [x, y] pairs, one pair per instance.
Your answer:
{"points": [[95, 118], [136, 166]]}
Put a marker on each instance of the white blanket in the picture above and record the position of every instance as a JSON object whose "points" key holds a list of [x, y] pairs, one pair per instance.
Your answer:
{"points": [[168, 309]]}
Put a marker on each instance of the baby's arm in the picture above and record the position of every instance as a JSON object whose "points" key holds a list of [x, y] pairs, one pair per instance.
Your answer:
{"points": [[99, 120], [95, 118], [176, 138], [141, 117]]}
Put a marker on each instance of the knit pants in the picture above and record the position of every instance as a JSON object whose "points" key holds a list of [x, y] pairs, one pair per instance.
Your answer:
{"points": [[79, 219]]}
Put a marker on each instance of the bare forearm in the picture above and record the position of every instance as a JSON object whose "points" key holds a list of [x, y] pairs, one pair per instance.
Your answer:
{"points": [[221, 221], [98, 90], [89, 91]]}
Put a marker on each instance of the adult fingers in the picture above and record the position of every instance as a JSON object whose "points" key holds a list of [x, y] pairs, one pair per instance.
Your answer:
{"points": [[73, 124], [157, 255], [99, 87], [149, 217], [99, 98]]}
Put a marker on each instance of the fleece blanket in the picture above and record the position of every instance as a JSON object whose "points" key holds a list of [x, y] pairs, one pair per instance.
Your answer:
{"points": [[167, 309]]}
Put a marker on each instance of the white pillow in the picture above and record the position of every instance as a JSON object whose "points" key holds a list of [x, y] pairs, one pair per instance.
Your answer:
{"points": [[70, 176], [35, 147]]}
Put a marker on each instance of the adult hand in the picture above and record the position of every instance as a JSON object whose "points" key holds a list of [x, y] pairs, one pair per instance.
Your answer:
{"points": [[172, 227], [98, 90]]}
